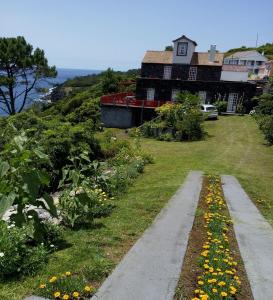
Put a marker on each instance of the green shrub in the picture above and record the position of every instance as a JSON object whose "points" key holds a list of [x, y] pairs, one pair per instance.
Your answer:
{"points": [[265, 105], [221, 106], [166, 137], [18, 255], [266, 125], [181, 120], [82, 205]]}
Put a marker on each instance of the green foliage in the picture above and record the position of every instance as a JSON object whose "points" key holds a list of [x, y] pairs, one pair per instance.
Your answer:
{"points": [[110, 82], [99, 269], [169, 48], [72, 286], [265, 104], [21, 183], [17, 254], [267, 49], [266, 125], [80, 203], [264, 112], [20, 65], [182, 120], [221, 106]]}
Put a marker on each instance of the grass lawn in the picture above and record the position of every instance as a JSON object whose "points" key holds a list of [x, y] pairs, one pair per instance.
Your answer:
{"points": [[234, 146]]}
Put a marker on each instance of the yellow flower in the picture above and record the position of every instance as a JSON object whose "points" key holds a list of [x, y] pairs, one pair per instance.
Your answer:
{"points": [[221, 283], [197, 291], [68, 273], [200, 282], [204, 297], [214, 290], [57, 294], [223, 294], [65, 297], [195, 298], [88, 288], [52, 279], [42, 286], [76, 294]]}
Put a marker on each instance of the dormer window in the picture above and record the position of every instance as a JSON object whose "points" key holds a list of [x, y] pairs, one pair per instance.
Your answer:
{"points": [[182, 49]]}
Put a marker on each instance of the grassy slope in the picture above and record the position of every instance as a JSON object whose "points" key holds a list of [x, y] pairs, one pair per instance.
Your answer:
{"points": [[234, 146]]}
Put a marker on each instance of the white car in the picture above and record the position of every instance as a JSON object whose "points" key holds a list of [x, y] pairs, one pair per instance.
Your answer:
{"points": [[210, 111]]}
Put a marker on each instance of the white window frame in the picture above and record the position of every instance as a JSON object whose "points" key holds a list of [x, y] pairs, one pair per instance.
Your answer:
{"points": [[150, 94], [174, 94], [233, 99], [167, 72], [192, 74], [203, 96]]}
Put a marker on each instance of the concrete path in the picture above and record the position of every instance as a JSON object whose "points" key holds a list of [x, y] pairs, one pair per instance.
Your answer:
{"points": [[254, 236], [151, 269]]}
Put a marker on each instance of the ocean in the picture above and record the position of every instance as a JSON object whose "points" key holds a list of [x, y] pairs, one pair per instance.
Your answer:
{"points": [[63, 75]]}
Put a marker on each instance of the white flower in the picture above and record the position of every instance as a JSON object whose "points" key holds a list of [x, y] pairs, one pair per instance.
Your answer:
{"points": [[2, 254], [51, 246], [30, 217]]}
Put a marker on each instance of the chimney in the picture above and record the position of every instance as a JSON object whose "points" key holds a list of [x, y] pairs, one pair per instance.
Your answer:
{"points": [[212, 53]]}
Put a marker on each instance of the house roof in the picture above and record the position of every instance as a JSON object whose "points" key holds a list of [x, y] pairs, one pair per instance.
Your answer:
{"points": [[186, 38], [198, 58], [202, 58], [158, 57], [235, 68], [251, 54]]}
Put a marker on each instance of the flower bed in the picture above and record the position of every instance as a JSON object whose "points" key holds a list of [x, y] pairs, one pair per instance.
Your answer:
{"points": [[212, 267], [67, 286]]}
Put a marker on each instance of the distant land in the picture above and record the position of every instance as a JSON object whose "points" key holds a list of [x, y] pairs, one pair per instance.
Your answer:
{"points": [[63, 75]]}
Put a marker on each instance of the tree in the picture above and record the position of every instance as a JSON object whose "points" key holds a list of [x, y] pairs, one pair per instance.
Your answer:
{"points": [[110, 82], [169, 48], [21, 69]]}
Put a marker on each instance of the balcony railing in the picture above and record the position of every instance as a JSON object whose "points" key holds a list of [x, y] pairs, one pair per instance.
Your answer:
{"points": [[128, 99]]}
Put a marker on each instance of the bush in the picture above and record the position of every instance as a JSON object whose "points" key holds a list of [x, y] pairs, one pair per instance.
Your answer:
{"points": [[266, 125], [82, 205], [221, 106], [177, 121], [18, 254], [265, 105]]}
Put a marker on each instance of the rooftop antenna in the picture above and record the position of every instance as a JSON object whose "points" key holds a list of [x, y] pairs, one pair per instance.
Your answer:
{"points": [[257, 40]]}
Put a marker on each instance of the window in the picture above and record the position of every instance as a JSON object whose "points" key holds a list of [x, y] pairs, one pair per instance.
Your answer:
{"points": [[150, 94], [202, 96], [192, 73], [167, 72], [174, 94], [182, 49]]}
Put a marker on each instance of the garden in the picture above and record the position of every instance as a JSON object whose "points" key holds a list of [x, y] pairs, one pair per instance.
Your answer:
{"points": [[61, 174]]}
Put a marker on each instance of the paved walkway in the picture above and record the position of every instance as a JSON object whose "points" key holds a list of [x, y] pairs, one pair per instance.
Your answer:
{"points": [[254, 236], [151, 269]]}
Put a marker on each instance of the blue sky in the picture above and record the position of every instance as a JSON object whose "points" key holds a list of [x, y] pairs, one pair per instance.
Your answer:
{"points": [[96, 34]]}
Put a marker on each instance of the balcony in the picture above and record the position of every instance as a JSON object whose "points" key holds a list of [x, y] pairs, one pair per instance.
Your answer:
{"points": [[128, 100]]}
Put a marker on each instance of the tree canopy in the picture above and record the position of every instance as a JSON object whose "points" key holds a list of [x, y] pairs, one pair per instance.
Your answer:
{"points": [[266, 49], [21, 68]]}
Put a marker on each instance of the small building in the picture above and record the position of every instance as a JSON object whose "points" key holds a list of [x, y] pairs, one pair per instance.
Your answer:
{"points": [[234, 73], [164, 74], [252, 59]]}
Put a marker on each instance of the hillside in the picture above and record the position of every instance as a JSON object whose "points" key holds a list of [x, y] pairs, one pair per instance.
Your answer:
{"points": [[267, 49]]}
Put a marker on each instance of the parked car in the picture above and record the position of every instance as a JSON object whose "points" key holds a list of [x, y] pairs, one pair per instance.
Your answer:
{"points": [[210, 111]]}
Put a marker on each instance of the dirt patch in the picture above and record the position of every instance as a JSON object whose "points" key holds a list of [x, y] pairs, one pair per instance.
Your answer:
{"points": [[190, 269]]}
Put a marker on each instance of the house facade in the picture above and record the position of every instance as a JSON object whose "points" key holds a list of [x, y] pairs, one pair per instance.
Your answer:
{"points": [[164, 74], [253, 60]]}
